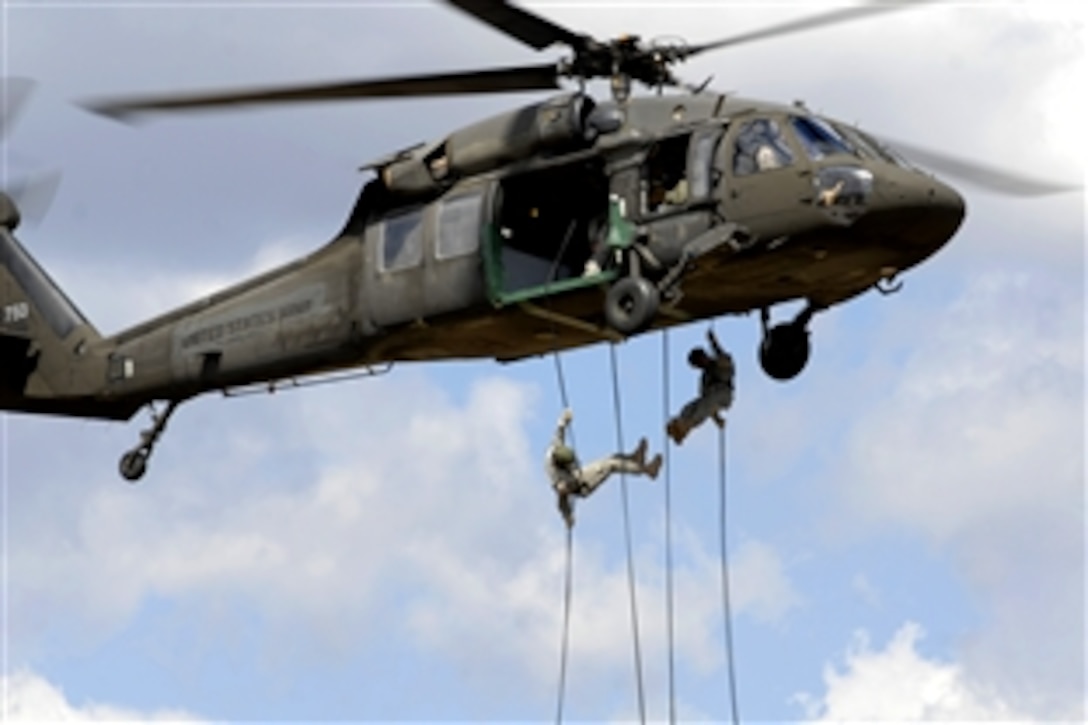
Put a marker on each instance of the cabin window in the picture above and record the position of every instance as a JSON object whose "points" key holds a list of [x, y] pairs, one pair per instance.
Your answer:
{"points": [[760, 146], [818, 138], [665, 175], [402, 241], [459, 226]]}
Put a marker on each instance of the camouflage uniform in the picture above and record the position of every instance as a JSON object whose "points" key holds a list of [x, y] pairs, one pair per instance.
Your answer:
{"points": [[570, 479], [715, 390]]}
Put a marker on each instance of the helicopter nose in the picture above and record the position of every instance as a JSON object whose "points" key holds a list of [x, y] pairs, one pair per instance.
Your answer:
{"points": [[919, 211], [946, 198], [939, 216]]}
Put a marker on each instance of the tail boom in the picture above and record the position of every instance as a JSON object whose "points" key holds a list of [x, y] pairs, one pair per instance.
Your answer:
{"points": [[52, 360]]}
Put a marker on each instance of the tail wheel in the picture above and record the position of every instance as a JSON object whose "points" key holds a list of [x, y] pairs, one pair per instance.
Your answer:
{"points": [[631, 304], [134, 465]]}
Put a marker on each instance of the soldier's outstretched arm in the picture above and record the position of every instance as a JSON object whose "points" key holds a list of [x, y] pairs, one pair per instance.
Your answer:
{"points": [[562, 425], [718, 351]]}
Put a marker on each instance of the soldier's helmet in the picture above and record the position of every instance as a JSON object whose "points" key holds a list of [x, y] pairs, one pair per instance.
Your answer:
{"points": [[698, 357], [563, 456]]}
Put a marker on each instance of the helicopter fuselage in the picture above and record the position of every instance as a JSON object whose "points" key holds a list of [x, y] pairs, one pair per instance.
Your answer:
{"points": [[494, 243]]}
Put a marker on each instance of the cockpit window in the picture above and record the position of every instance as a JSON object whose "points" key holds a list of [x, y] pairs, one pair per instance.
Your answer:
{"points": [[873, 148], [866, 148], [760, 147], [887, 151], [819, 139]]}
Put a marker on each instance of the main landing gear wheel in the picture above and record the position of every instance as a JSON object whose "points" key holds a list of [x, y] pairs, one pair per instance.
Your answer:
{"points": [[133, 465], [785, 348], [631, 304], [784, 351]]}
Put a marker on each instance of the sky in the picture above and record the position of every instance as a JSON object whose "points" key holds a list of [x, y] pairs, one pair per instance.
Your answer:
{"points": [[905, 534]]}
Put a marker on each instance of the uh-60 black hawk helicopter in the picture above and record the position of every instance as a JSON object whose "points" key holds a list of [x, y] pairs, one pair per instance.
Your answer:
{"points": [[557, 225]]}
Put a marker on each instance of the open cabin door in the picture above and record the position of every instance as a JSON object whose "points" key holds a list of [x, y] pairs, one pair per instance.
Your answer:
{"points": [[544, 227]]}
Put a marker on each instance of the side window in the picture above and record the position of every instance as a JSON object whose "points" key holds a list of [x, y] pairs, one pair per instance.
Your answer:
{"points": [[459, 226], [760, 147], [402, 241], [665, 175]]}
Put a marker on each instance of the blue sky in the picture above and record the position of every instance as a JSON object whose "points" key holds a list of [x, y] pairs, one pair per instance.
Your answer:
{"points": [[906, 518]]}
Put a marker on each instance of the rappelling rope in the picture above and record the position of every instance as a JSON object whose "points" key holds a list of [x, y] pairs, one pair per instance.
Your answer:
{"points": [[563, 395], [668, 525], [728, 627], [627, 538], [568, 584], [566, 627]]}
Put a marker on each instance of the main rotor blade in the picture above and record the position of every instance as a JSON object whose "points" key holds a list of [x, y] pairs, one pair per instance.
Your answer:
{"points": [[529, 28], [13, 95], [873, 7], [981, 175], [499, 80]]}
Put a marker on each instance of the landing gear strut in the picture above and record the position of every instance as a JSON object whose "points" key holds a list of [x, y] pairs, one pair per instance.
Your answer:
{"points": [[133, 464], [785, 348]]}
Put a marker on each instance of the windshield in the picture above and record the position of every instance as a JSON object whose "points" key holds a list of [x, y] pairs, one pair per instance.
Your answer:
{"points": [[819, 138], [873, 148]]}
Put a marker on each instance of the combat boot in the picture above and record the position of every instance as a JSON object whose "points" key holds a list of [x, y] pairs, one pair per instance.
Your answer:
{"points": [[677, 431], [639, 454], [653, 467]]}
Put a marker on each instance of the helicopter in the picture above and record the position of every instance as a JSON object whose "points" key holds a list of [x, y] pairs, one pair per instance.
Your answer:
{"points": [[556, 225]]}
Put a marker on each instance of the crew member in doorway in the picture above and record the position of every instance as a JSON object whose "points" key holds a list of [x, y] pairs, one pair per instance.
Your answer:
{"points": [[715, 390], [571, 479]]}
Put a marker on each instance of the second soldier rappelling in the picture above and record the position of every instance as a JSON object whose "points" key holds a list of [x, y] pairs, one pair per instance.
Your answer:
{"points": [[570, 479], [715, 390]]}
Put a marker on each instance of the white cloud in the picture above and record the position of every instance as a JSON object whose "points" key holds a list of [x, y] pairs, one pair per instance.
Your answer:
{"points": [[987, 418], [522, 606], [761, 584], [898, 684], [115, 297], [979, 447], [31, 698], [433, 518], [865, 590], [316, 547]]}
